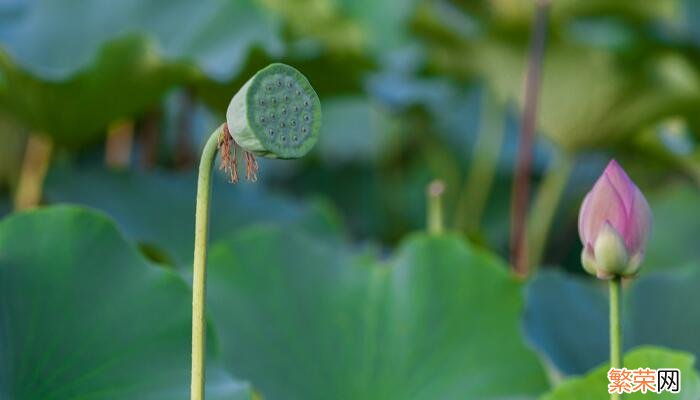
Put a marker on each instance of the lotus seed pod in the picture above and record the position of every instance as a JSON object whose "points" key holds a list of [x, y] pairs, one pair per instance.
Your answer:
{"points": [[276, 114]]}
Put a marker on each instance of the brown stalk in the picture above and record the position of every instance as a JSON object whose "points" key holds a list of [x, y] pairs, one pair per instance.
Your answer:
{"points": [[521, 183]]}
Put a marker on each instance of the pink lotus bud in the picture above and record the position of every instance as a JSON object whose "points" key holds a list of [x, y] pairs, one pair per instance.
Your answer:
{"points": [[613, 223]]}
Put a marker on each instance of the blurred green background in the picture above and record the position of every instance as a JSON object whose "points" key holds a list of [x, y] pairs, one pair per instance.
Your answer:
{"points": [[322, 284]]}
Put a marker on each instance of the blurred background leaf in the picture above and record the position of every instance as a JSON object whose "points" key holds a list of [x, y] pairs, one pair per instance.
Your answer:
{"points": [[155, 210], [72, 67]]}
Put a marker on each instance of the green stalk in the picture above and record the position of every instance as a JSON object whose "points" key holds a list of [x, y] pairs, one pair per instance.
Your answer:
{"points": [[435, 219], [545, 206], [615, 326], [200, 265]]}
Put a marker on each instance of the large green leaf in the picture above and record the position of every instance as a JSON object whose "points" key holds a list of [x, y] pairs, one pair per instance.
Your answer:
{"points": [[157, 208], [73, 66], [84, 315], [308, 320], [567, 317], [594, 385]]}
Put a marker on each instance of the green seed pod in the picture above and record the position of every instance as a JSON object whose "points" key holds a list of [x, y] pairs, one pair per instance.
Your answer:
{"points": [[276, 114]]}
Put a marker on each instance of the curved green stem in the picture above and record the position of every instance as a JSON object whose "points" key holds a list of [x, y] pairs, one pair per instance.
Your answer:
{"points": [[200, 265], [615, 326], [544, 207]]}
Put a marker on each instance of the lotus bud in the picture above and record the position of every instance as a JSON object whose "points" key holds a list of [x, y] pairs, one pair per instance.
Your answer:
{"points": [[613, 224]]}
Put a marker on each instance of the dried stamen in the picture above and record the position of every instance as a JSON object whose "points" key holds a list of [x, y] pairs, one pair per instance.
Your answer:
{"points": [[227, 147], [251, 167], [228, 162]]}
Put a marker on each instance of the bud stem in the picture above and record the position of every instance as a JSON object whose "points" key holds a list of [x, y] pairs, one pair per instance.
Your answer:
{"points": [[615, 325], [200, 265]]}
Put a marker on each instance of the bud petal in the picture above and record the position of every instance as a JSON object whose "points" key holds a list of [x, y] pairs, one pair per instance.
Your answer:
{"points": [[602, 204], [639, 225], [610, 252], [588, 260], [614, 224], [634, 264]]}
